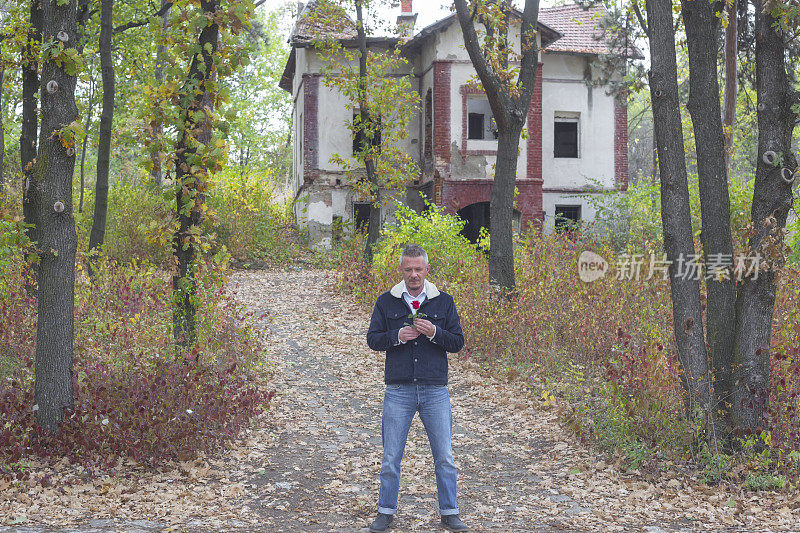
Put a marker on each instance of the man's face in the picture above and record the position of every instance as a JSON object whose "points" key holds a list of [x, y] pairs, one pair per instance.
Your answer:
{"points": [[414, 270]]}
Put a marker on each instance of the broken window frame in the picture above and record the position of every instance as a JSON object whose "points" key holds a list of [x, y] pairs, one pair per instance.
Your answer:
{"points": [[567, 216]]}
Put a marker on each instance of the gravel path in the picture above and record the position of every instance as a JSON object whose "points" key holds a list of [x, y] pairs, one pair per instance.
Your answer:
{"points": [[312, 462]]}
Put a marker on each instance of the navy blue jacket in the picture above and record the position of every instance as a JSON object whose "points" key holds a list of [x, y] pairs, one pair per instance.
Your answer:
{"points": [[421, 361]]}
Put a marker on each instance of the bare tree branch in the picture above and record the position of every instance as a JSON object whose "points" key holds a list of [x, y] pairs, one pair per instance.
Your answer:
{"points": [[639, 16], [138, 23], [530, 58]]}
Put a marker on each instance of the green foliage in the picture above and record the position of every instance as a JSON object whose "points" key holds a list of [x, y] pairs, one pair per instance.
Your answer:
{"points": [[450, 254], [139, 226], [765, 481], [715, 464], [246, 218], [387, 98], [258, 111], [251, 222], [67, 58], [616, 431], [632, 221], [13, 241]]}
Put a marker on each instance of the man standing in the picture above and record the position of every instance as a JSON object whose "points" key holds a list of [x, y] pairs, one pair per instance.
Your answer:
{"points": [[417, 325]]}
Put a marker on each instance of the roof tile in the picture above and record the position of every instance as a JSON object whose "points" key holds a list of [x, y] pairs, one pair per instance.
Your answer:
{"points": [[323, 19], [580, 28]]}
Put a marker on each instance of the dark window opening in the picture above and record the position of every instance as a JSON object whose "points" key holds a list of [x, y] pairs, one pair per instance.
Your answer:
{"points": [[567, 216], [361, 212], [475, 126], [566, 139], [477, 217], [358, 138], [480, 120]]}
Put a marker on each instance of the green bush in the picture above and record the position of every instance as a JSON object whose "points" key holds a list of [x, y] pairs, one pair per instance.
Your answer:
{"points": [[453, 258], [139, 222], [245, 217], [250, 219], [632, 221]]}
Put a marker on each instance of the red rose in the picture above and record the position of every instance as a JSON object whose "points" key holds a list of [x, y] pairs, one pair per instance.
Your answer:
{"points": [[415, 304]]}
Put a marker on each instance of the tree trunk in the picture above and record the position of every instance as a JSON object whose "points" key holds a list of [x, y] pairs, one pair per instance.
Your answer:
{"points": [[190, 183], [509, 113], [54, 169], [729, 107], [374, 226], [772, 198], [501, 208], [157, 174], [702, 28], [675, 211], [30, 120], [2, 133], [106, 121], [89, 114]]}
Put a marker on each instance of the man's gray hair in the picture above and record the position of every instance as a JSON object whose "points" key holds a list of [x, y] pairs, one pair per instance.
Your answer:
{"points": [[414, 250]]}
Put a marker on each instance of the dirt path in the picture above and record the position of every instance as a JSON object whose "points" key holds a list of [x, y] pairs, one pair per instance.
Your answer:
{"points": [[312, 463], [518, 470]]}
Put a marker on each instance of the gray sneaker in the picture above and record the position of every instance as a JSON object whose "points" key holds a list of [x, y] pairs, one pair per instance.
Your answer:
{"points": [[382, 523], [452, 522]]}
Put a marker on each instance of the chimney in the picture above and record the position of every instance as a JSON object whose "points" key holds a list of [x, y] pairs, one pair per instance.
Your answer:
{"points": [[406, 19]]}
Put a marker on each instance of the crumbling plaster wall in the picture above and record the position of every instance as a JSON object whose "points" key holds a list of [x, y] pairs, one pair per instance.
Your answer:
{"points": [[326, 192], [565, 90]]}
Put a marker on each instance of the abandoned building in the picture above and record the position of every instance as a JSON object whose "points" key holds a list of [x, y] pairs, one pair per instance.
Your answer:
{"points": [[578, 132]]}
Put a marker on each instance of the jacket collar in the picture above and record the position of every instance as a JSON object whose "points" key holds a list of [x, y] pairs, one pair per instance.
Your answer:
{"points": [[430, 290]]}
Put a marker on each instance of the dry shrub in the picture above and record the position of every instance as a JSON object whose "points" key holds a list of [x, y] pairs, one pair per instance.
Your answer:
{"points": [[133, 396]]}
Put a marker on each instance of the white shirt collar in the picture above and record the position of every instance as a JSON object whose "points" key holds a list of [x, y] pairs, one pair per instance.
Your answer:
{"points": [[408, 298]]}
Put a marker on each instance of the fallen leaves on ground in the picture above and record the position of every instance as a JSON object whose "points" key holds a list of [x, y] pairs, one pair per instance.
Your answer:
{"points": [[312, 462]]}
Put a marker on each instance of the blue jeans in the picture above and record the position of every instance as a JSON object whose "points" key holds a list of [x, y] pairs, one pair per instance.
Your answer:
{"points": [[400, 403]]}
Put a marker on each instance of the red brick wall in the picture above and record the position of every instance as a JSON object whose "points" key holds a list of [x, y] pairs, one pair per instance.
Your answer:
{"points": [[310, 126], [621, 142], [534, 153], [457, 194], [441, 110]]}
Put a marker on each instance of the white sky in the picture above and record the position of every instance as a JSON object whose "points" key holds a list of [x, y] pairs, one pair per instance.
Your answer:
{"points": [[428, 11]]}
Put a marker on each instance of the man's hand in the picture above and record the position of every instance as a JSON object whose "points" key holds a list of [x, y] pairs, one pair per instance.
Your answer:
{"points": [[425, 327], [408, 333]]}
